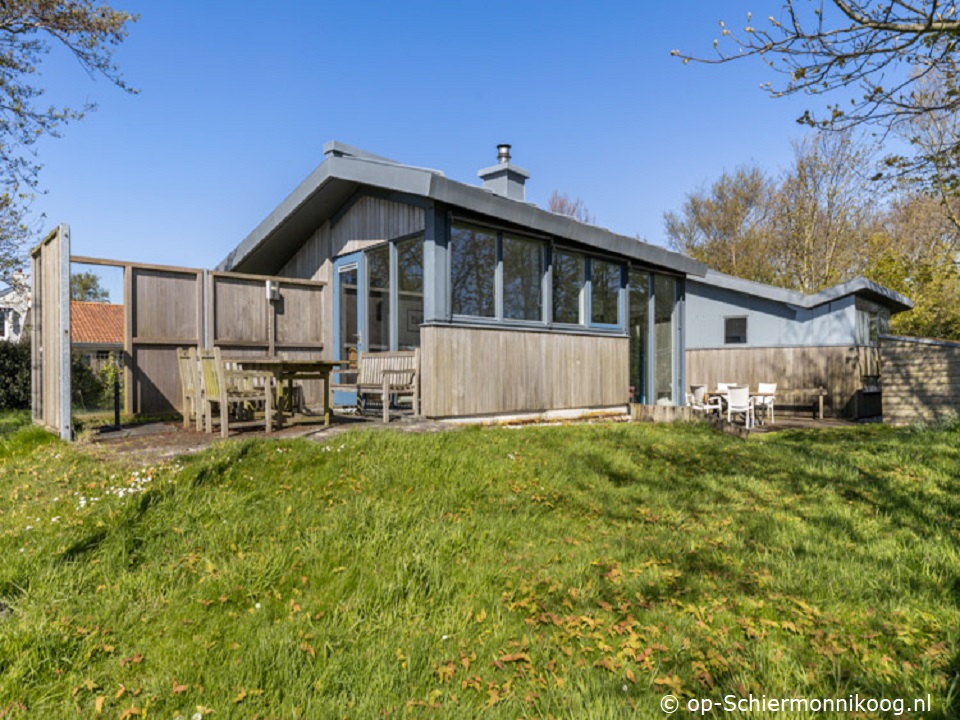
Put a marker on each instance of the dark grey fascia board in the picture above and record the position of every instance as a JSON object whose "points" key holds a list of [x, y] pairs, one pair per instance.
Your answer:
{"points": [[870, 290], [433, 185], [334, 170], [858, 286], [335, 148]]}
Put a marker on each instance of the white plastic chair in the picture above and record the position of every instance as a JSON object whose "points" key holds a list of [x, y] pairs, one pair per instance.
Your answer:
{"points": [[719, 399], [764, 401], [739, 402], [698, 398]]}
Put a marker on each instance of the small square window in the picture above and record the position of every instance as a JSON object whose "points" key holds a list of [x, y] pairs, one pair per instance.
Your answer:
{"points": [[735, 331]]}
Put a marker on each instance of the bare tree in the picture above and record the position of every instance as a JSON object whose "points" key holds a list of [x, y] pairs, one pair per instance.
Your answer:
{"points": [[822, 213], [934, 168], [876, 49], [727, 225], [575, 208], [28, 29]]}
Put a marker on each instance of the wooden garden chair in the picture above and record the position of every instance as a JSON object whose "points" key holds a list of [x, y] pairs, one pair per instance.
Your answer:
{"points": [[225, 388], [191, 401]]}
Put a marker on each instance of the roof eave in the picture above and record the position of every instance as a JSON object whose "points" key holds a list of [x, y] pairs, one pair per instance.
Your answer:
{"points": [[430, 184]]}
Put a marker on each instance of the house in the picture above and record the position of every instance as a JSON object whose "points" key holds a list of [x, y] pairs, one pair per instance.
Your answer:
{"points": [[14, 308], [515, 309], [747, 332], [96, 331]]}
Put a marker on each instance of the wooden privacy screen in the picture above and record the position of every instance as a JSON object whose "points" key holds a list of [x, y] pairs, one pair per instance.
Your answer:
{"points": [[50, 333], [164, 311], [171, 307], [244, 323]]}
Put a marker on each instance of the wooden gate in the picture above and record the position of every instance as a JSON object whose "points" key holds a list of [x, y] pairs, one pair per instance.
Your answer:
{"points": [[50, 333]]}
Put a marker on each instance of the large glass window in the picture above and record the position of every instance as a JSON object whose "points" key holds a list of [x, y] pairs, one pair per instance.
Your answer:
{"points": [[664, 300], [473, 262], [410, 292], [568, 273], [639, 333], [604, 292], [378, 299], [522, 278]]}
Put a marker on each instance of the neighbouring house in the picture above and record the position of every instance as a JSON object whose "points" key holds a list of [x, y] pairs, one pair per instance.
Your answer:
{"points": [[96, 331], [515, 309], [14, 308], [747, 332]]}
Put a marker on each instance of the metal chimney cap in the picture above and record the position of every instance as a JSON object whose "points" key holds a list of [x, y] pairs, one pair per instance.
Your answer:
{"points": [[503, 153]]}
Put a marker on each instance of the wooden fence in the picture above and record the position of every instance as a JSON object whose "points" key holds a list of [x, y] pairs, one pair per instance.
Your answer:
{"points": [[921, 379], [169, 307], [839, 370], [50, 333]]}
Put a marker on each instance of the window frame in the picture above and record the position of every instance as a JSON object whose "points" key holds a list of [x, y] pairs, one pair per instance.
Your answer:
{"points": [[588, 316], [549, 248], [746, 328], [498, 317], [393, 287], [581, 296]]}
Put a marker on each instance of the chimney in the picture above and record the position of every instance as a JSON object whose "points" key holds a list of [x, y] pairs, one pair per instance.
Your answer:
{"points": [[505, 178]]}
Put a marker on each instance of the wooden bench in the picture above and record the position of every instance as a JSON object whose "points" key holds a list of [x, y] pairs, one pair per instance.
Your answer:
{"points": [[811, 395], [387, 374]]}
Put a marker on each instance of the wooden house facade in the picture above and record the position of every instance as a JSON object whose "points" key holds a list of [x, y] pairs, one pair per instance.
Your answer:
{"points": [[515, 309]]}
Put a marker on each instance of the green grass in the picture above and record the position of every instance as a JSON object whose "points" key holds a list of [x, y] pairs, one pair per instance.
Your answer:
{"points": [[576, 571]]}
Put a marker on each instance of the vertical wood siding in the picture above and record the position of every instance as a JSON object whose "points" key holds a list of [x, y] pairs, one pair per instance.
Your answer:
{"points": [[164, 312], [838, 369], [369, 220], [478, 371], [49, 406]]}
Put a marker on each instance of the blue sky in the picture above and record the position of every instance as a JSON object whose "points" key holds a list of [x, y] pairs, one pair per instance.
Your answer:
{"points": [[237, 99]]}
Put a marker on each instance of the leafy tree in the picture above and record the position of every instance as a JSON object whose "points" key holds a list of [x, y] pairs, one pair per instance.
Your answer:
{"points": [[28, 31], [914, 253], [85, 286], [727, 226], [562, 203]]}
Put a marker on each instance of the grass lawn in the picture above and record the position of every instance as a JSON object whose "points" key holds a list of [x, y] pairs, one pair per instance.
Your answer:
{"points": [[574, 572]]}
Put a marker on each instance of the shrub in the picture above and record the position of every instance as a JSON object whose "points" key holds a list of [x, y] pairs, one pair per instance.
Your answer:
{"points": [[14, 375], [87, 388]]}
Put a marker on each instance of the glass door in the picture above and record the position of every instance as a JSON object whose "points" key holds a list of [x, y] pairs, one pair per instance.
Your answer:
{"points": [[639, 334], [348, 301]]}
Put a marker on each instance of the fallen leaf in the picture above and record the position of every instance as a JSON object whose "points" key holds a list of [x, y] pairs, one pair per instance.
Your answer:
{"points": [[515, 657]]}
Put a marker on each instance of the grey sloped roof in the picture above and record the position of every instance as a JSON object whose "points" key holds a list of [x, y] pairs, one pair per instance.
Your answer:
{"points": [[858, 286], [346, 169]]}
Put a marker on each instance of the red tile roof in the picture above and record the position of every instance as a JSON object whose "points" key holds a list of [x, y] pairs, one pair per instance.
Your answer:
{"points": [[96, 323]]}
